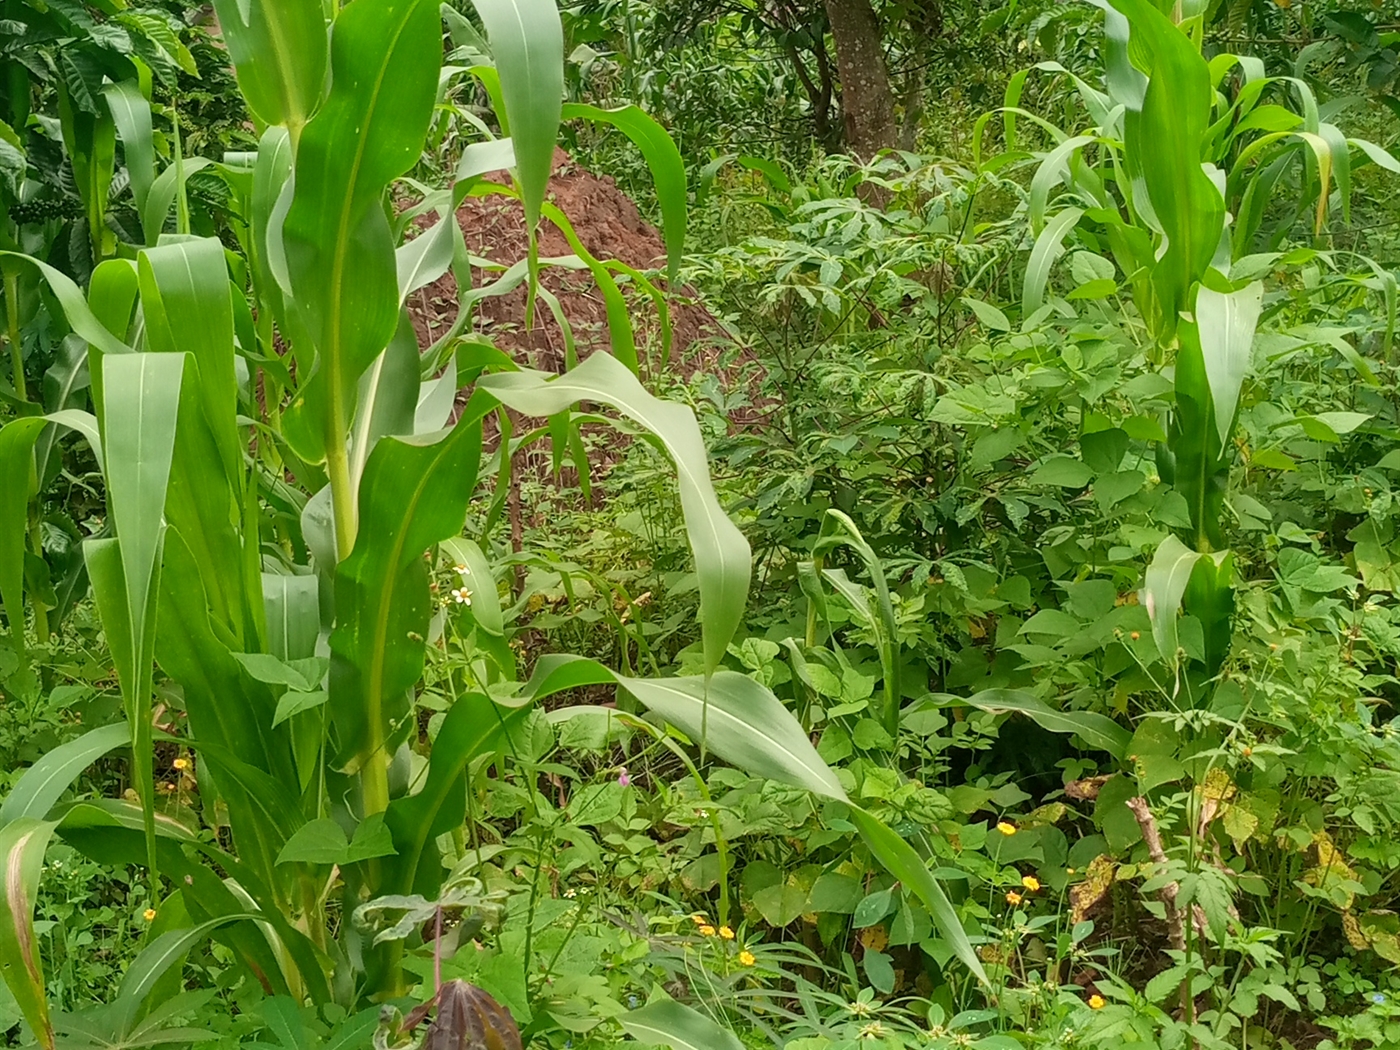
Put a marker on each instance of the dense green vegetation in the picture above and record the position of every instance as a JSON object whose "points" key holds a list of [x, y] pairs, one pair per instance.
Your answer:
{"points": [[944, 595]]}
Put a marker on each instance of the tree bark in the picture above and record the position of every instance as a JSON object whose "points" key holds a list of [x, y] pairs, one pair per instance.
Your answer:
{"points": [[867, 102]]}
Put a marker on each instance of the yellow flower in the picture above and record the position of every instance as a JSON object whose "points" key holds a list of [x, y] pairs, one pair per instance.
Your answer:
{"points": [[181, 764], [726, 933], [1006, 828], [698, 919], [150, 915], [747, 957], [1013, 898], [707, 930], [1097, 1002], [1030, 882]]}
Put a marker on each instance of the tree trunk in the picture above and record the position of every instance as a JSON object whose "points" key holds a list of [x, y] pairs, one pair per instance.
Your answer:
{"points": [[866, 99]]}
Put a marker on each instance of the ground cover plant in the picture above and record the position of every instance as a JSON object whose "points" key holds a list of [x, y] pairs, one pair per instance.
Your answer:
{"points": [[945, 598]]}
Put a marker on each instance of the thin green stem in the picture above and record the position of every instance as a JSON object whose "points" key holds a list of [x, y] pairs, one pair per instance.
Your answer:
{"points": [[12, 334], [342, 492], [182, 200], [41, 612]]}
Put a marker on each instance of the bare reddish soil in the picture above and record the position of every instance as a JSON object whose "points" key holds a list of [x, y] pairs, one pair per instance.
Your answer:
{"points": [[609, 225]]}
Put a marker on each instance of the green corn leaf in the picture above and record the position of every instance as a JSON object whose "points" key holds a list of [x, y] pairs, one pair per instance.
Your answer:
{"points": [[527, 46], [1049, 246], [475, 725], [65, 384], [1201, 463], [112, 293], [743, 723], [387, 396], [18, 440], [623, 339], [75, 307], [43, 783], [1226, 324], [707, 176], [187, 308], [279, 54], [770, 170], [110, 831], [1167, 579], [721, 553], [160, 955], [436, 399], [1210, 598], [414, 493], [1053, 170], [17, 481], [230, 712], [1340, 153], [900, 860], [270, 174], [132, 113], [662, 157], [339, 250], [87, 814], [479, 581], [672, 1024], [431, 254], [1095, 729], [1163, 140], [292, 615], [1162, 590], [424, 259], [141, 395], [839, 530], [555, 672], [166, 187], [22, 845]]}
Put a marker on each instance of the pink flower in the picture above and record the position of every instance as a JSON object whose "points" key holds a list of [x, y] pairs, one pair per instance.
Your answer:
{"points": [[624, 779]]}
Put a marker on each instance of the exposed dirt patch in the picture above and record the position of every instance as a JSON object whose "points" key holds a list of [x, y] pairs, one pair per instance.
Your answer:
{"points": [[609, 226]]}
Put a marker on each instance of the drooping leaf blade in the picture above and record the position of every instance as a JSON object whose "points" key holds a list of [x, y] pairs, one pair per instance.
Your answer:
{"points": [[43, 783], [662, 157], [721, 553], [900, 860], [742, 722], [1095, 729]]}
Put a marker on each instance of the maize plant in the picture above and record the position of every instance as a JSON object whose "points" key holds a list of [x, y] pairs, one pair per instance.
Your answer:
{"points": [[1173, 179]]}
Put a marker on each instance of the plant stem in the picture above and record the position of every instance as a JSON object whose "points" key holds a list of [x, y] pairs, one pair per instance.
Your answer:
{"points": [[41, 613], [342, 494], [12, 333], [182, 202]]}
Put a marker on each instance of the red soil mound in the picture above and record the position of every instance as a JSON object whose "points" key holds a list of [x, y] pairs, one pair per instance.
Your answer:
{"points": [[609, 225]]}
